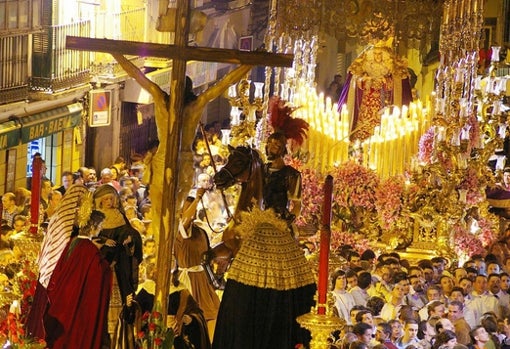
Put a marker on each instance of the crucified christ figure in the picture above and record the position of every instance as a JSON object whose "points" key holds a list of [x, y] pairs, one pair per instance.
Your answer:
{"points": [[192, 114]]}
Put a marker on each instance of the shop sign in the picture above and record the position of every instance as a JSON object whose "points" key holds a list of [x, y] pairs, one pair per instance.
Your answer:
{"points": [[50, 122], [100, 108], [9, 134]]}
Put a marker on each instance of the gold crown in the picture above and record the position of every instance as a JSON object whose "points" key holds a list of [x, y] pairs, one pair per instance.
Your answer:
{"points": [[85, 209], [388, 43]]}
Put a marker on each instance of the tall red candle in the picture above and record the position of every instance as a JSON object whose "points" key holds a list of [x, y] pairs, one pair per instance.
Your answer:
{"points": [[322, 288], [35, 187]]}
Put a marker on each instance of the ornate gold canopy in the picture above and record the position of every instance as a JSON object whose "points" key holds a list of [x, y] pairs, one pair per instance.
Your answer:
{"points": [[413, 23]]}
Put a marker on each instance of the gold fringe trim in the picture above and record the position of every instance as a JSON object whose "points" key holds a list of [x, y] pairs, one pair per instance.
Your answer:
{"points": [[269, 256]]}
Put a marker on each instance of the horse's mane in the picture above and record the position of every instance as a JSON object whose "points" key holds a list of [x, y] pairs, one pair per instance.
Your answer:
{"points": [[251, 192]]}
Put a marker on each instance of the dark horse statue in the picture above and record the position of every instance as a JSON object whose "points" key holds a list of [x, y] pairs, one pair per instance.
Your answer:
{"points": [[244, 166]]}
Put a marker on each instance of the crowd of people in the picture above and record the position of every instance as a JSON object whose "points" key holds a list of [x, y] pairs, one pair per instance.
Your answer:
{"points": [[388, 302]]}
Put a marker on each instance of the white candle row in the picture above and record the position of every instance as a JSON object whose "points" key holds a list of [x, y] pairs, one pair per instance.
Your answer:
{"points": [[388, 151]]}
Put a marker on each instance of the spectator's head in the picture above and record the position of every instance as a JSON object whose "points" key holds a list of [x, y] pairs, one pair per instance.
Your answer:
{"points": [[396, 329], [115, 173], [338, 280], [494, 283], [443, 324], [67, 179], [467, 285], [428, 270], [401, 279], [383, 332], [446, 283], [363, 331], [19, 223], [489, 320], [455, 310], [433, 293], [364, 280], [352, 279], [92, 175], [384, 272], [8, 201], [445, 338], [149, 247], [427, 331], [479, 336], [457, 294], [204, 181], [505, 282], [458, 274], [471, 273], [439, 264], [415, 270], [416, 283], [435, 308], [480, 284], [368, 255], [106, 175], [54, 198], [354, 312], [493, 268], [407, 312], [375, 304], [393, 264], [365, 316], [410, 329]]}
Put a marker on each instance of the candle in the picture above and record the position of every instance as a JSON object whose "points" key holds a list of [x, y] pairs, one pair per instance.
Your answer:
{"points": [[446, 15], [259, 89], [322, 285], [495, 53]]}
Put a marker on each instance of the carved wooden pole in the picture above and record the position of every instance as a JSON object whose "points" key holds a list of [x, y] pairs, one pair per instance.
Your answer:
{"points": [[171, 176], [35, 199]]}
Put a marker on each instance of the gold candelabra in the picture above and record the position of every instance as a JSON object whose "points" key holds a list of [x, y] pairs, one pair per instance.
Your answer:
{"points": [[321, 325], [244, 110]]}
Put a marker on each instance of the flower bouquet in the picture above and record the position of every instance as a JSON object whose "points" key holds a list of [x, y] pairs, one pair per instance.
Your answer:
{"points": [[13, 334], [154, 333], [354, 199]]}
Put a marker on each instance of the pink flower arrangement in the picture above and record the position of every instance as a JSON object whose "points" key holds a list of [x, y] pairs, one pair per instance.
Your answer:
{"points": [[471, 183], [488, 231], [426, 146], [466, 244], [312, 196], [354, 185], [340, 238], [474, 132], [389, 200], [354, 189]]}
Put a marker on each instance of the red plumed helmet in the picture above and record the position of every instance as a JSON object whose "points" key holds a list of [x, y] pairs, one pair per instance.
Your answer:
{"points": [[282, 122]]}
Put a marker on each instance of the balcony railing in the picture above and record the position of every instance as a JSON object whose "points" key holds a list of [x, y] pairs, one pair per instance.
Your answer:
{"points": [[126, 25], [56, 68], [13, 68]]}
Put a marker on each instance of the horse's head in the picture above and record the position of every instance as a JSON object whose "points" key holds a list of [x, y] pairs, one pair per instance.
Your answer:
{"points": [[238, 168]]}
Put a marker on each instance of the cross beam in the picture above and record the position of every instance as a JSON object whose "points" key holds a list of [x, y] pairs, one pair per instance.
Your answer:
{"points": [[185, 53]]}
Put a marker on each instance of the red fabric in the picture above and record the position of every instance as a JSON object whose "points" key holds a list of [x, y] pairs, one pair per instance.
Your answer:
{"points": [[78, 294]]}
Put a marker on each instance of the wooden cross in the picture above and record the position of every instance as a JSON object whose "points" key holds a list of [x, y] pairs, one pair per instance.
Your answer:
{"points": [[172, 165]]}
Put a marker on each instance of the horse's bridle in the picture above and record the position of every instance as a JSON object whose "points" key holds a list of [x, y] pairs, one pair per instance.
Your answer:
{"points": [[233, 177]]}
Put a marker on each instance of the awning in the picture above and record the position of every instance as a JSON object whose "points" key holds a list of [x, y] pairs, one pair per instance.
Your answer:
{"points": [[9, 134], [49, 122]]}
